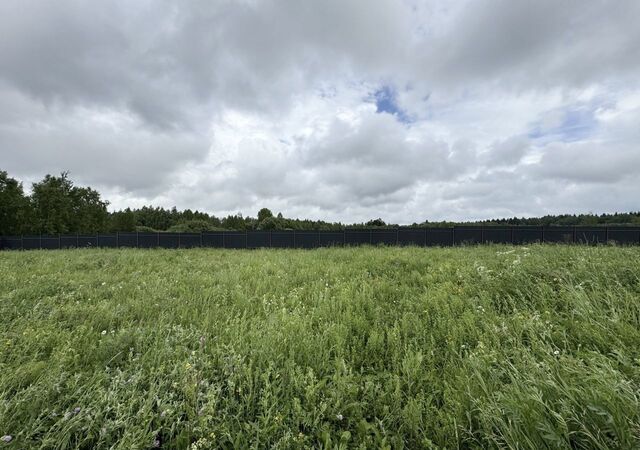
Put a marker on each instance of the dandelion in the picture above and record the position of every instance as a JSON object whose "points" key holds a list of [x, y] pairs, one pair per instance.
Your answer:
{"points": [[7, 438]]}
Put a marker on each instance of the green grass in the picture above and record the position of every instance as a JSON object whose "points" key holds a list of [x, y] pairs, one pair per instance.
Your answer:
{"points": [[473, 347]]}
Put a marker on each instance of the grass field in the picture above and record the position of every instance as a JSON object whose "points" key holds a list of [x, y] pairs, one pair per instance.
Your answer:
{"points": [[472, 347]]}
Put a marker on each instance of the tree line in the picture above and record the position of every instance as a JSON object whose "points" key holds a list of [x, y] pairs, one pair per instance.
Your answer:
{"points": [[56, 205]]}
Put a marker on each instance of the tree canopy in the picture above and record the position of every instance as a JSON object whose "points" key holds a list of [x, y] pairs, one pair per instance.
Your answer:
{"points": [[57, 206]]}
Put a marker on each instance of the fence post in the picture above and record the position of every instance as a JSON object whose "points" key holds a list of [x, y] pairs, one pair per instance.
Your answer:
{"points": [[574, 234], [179, 234], [370, 237], [511, 229], [270, 240], [542, 234], [397, 236], [158, 239], [294, 238], [246, 241], [606, 234], [453, 236], [426, 237], [59, 242], [77, 241], [201, 244], [40, 241], [482, 234], [117, 239], [223, 240], [137, 239]]}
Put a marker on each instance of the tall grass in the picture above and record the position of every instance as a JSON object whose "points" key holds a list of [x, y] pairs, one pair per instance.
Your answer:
{"points": [[477, 347]]}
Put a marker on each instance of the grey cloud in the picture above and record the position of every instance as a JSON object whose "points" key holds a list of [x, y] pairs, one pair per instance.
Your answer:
{"points": [[536, 45], [125, 94], [589, 162]]}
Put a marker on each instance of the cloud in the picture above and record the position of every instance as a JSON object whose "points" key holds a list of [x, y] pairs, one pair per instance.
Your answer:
{"points": [[347, 111]]}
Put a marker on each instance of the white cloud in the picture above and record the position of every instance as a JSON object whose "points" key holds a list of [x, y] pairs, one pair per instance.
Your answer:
{"points": [[517, 108]]}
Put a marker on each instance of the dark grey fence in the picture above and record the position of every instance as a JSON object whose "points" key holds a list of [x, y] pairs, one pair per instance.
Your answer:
{"points": [[424, 237]]}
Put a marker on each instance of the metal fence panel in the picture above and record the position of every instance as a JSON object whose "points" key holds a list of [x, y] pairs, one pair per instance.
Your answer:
{"points": [[442, 237], [411, 236], [306, 239], [169, 240], [357, 237], [10, 242], [331, 238], [386, 237], [189, 240], [558, 234], [591, 235], [107, 240], [148, 240], [624, 235], [68, 241], [127, 239], [468, 235], [235, 239], [258, 239], [527, 235], [50, 242], [87, 240], [313, 239], [213, 240], [282, 239], [496, 235], [31, 242]]}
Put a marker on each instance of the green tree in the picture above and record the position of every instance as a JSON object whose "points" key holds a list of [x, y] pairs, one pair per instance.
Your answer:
{"points": [[123, 221], [61, 207], [263, 214], [53, 204], [14, 206], [90, 212]]}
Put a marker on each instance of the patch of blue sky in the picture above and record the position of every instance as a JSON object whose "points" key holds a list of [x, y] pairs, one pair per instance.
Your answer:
{"points": [[387, 102], [575, 124]]}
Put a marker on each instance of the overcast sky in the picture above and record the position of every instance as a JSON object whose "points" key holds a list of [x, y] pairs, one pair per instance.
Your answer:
{"points": [[335, 109]]}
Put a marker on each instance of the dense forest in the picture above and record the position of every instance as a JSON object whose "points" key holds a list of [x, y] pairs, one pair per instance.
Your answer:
{"points": [[56, 205]]}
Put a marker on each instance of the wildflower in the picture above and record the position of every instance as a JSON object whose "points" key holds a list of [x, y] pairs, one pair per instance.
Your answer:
{"points": [[557, 352], [103, 283], [156, 443], [104, 332], [7, 438], [76, 410], [339, 416]]}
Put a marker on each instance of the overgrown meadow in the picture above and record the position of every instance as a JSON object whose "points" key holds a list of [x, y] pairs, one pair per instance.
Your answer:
{"points": [[471, 347]]}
